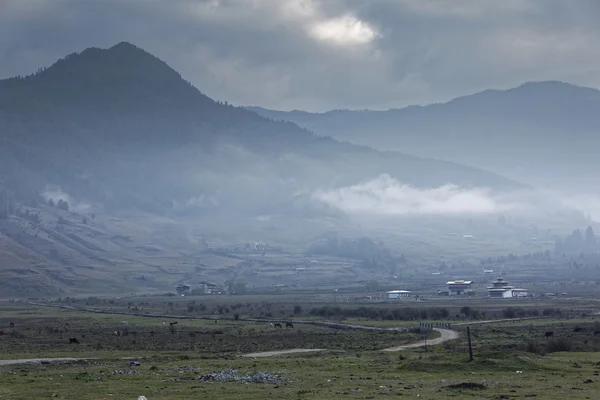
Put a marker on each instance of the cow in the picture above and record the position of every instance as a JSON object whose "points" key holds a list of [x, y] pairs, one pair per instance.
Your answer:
{"points": [[548, 334], [73, 340], [289, 325], [173, 323], [277, 325], [216, 321], [596, 333], [577, 329], [12, 324]]}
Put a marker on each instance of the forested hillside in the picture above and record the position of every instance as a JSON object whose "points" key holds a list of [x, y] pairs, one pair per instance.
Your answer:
{"points": [[544, 133], [107, 155]]}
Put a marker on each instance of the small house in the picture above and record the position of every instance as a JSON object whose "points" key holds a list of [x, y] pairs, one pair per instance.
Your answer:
{"points": [[182, 288], [396, 294], [459, 287], [208, 287]]}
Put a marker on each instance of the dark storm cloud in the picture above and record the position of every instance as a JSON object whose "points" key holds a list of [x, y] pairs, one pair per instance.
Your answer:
{"points": [[321, 54]]}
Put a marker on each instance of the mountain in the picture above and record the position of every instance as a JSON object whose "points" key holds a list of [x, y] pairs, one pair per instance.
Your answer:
{"points": [[93, 113], [142, 159], [544, 133]]}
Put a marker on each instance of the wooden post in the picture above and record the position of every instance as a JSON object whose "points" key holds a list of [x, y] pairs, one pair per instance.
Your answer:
{"points": [[470, 348]]}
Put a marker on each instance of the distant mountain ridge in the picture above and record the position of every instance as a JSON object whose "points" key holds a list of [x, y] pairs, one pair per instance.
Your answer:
{"points": [[541, 132], [118, 132], [125, 106]]}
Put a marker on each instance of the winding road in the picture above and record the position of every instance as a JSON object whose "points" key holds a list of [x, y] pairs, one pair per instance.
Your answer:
{"points": [[446, 335]]}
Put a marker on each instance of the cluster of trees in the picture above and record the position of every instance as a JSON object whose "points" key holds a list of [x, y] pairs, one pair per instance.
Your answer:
{"points": [[380, 313], [61, 204], [538, 255], [370, 254], [578, 242], [29, 216]]}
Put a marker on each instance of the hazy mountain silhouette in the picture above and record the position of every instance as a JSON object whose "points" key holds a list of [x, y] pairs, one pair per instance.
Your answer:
{"points": [[542, 132], [120, 128], [144, 159]]}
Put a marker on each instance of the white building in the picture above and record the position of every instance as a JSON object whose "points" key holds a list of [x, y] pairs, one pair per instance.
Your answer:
{"points": [[459, 287], [502, 290], [396, 294]]}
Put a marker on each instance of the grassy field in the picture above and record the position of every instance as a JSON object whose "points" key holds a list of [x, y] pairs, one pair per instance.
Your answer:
{"points": [[200, 359], [431, 375]]}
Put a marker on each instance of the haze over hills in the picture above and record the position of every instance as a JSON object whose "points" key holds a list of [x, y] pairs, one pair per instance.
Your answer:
{"points": [[151, 168], [542, 133]]}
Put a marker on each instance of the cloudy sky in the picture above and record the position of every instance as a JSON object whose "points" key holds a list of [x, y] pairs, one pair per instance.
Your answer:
{"points": [[322, 54]]}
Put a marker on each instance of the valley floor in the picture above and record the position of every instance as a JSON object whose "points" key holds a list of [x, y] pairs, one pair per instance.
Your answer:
{"points": [[123, 357]]}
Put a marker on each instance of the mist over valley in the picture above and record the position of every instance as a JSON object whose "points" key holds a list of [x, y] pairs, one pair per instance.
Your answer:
{"points": [[156, 175]]}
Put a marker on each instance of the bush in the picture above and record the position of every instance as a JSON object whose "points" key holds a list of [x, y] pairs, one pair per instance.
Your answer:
{"points": [[535, 347], [559, 344]]}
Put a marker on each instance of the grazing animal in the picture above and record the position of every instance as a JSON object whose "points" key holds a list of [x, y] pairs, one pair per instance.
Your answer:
{"points": [[173, 323], [1, 333], [272, 326], [73, 340], [117, 333], [12, 324], [577, 329], [289, 325], [596, 333], [216, 321], [278, 325], [548, 334]]}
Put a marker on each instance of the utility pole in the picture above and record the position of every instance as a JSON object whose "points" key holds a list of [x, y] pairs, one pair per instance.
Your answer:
{"points": [[469, 340], [334, 287]]}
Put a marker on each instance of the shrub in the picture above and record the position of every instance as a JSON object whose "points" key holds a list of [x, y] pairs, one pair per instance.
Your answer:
{"points": [[535, 347], [559, 344]]}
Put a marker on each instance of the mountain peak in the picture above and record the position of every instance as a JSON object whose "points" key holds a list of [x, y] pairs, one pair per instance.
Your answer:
{"points": [[125, 46]]}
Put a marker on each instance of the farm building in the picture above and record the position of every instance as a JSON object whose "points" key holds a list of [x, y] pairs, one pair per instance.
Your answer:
{"points": [[182, 288], [459, 287], [208, 288], [501, 289], [396, 294]]}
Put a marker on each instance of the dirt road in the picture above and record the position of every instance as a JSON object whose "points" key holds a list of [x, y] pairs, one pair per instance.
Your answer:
{"points": [[39, 360], [446, 334]]}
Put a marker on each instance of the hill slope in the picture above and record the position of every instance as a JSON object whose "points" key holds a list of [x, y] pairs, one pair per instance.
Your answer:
{"points": [[99, 122], [542, 132], [117, 131]]}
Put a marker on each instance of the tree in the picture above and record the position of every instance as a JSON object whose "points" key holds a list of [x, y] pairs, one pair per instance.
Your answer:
{"points": [[7, 205], [51, 203], [62, 205], [591, 243], [466, 311]]}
